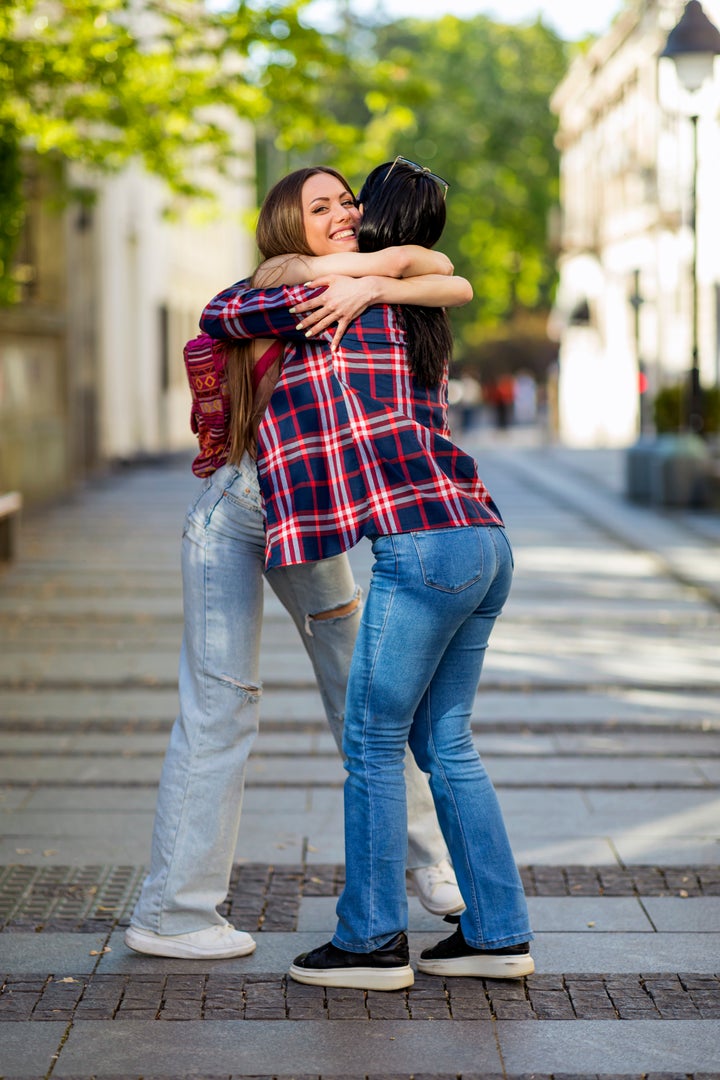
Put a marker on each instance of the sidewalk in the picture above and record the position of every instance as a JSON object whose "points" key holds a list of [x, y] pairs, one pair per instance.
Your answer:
{"points": [[599, 720]]}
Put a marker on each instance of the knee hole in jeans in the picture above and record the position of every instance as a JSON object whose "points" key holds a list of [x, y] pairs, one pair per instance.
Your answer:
{"points": [[342, 611], [251, 690]]}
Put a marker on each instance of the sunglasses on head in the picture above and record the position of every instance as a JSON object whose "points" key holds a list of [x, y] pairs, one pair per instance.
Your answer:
{"points": [[443, 184]]}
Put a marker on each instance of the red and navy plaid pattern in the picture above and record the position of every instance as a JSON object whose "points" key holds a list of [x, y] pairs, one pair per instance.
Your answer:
{"points": [[350, 445]]}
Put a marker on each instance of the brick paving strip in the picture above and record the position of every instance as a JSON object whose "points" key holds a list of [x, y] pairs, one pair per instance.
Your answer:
{"points": [[223, 996], [94, 899]]}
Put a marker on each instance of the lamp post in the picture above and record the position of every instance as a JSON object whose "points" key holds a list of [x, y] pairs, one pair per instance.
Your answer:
{"points": [[693, 45]]}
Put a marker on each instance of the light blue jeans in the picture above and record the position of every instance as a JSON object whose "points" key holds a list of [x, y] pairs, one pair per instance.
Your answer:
{"points": [[197, 818], [431, 607]]}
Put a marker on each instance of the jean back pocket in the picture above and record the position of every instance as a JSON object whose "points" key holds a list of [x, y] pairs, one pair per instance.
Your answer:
{"points": [[451, 559]]}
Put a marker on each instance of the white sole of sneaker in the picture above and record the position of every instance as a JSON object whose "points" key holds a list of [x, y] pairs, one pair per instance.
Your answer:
{"points": [[481, 967], [150, 945], [441, 912], [369, 978]]}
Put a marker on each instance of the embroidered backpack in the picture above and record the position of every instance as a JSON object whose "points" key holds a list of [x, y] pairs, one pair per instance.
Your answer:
{"points": [[205, 366]]}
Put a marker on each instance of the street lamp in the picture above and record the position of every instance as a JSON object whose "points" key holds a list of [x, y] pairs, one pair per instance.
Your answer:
{"points": [[693, 45]]}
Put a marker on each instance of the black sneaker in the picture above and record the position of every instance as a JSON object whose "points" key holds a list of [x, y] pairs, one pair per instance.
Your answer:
{"points": [[387, 968], [453, 956]]}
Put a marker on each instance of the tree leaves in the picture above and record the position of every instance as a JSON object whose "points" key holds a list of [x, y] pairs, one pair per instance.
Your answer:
{"points": [[100, 82], [486, 125]]}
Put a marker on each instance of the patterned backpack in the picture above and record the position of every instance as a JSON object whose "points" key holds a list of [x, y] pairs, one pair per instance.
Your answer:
{"points": [[205, 366]]}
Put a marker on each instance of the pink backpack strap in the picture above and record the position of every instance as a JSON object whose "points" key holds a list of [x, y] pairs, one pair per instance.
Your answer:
{"points": [[265, 362]]}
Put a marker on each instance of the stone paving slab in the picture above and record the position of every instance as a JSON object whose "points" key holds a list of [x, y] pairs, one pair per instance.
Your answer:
{"points": [[517, 771], [623, 953], [95, 800], [276, 769], [12, 799], [123, 836], [562, 914], [579, 654], [680, 812], [671, 707], [639, 1046], [91, 665], [711, 771], [29, 1053], [532, 706], [649, 849], [88, 707], [75, 954], [151, 743], [75, 744], [269, 1047], [555, 953], [25, 849], [117, 800], [123, 605], [679, 607], [666, 537], [80, 770], [614, 656], [669, 914], [596, 771], [623, 815], [705, 745], [138, 763]]}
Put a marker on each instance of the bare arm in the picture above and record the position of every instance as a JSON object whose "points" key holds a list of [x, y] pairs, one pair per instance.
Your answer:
{"points": [[407, 261], [345, 298]]}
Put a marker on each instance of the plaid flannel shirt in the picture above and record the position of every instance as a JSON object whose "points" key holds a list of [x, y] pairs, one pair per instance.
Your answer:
{"points": [[350, 445]]}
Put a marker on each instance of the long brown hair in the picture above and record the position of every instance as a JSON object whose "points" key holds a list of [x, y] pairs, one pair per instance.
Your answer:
{"points": [[280, 231]]}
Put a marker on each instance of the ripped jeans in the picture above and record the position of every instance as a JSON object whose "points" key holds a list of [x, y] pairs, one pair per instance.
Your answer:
{"points": [[197, 818]]}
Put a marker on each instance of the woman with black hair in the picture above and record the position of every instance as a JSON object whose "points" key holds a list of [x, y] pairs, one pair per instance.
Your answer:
{"points": [[355, 443]]}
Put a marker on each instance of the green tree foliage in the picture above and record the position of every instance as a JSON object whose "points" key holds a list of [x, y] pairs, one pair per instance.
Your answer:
{"points": [[484, 122], [102, 81], [11, 208]]}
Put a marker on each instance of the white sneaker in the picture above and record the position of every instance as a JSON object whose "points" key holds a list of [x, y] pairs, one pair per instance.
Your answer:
{"points": [[437, 888], [214, 943]]}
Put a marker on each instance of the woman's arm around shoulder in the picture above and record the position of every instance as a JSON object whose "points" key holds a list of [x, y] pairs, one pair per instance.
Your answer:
{"points": [[344, 299], [408, 260]]}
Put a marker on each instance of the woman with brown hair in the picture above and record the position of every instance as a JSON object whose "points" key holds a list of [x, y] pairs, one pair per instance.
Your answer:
{"points": [[313, 212]]}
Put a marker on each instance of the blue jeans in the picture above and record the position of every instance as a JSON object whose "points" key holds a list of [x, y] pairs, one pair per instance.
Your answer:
{"points": [[197, 818], [431, 607]]}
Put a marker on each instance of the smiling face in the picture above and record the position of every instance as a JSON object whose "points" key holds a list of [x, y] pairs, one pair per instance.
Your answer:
{"points": [[330, 217]]}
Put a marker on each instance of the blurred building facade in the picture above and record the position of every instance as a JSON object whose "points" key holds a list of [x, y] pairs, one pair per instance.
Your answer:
{"points": [[91, 367], [625, 297]]}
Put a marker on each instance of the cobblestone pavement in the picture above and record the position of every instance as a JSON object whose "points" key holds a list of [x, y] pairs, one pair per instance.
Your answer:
{"points": [[599, 719]]}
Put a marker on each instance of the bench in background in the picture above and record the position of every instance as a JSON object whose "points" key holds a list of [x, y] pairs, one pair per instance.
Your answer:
{"points": [[10, 507]]}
